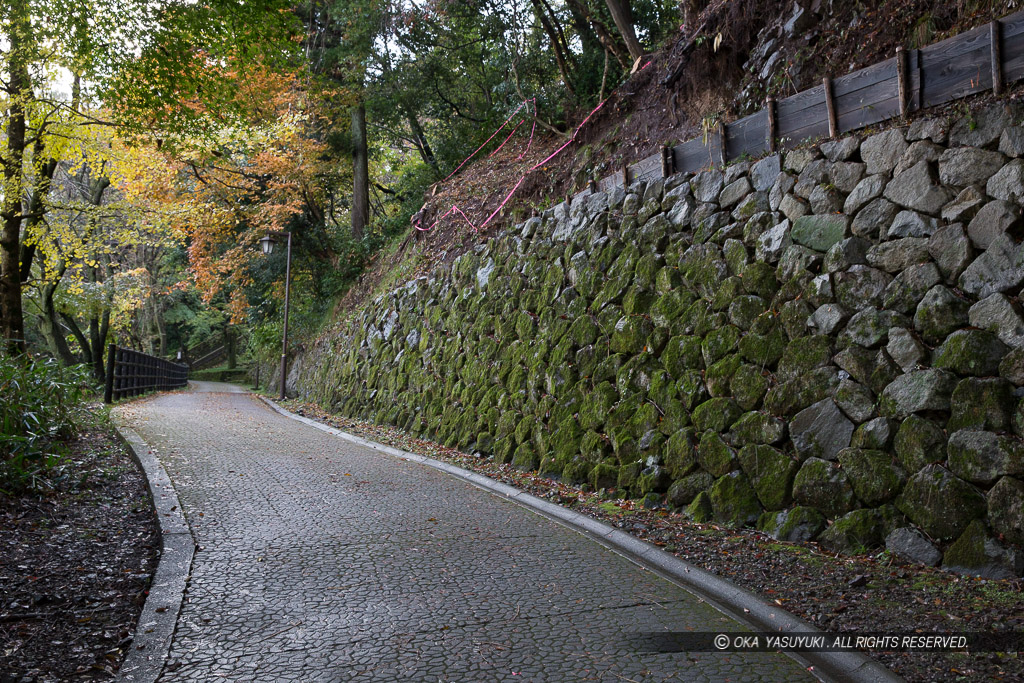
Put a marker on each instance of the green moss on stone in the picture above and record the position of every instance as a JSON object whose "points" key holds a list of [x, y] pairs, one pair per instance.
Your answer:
{"points": [[608, 368], [584, 331], [789, 398], [629, 473], [575, 471], [691, 388], [971, 352], [565, 442], [715, 456], [873, 475], [683, 491], [749, 385], [700, 510], [503, 450], [982, 404], [587, 359], [594, 447], [734, 501], [610, 293], [653, 479], [645, 419], [635, 375], [744, 310], [680, 453], [803, 355], [726, 291], [736, 255], [918, 443], [940, 503], [698, 319], [657, 340], [630, 335], [854, 532], [759, 279], [667, 279], [716, 415], [763, 350], [669, 308], [793, 319], [525, 457], [823, 486], [719, 375], [771, 474], [799, 524], [720, 342], [756, 427], [637, 301], [603, 476], [682, 353]]}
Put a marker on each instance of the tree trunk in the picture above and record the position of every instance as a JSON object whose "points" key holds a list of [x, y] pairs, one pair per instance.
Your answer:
{"points": [[83, 342], [622, 15], [420, 137], [12, 326], [583, 17], [36, 210], [51, 328], [161, 330], [98, 357], [360, 173], [556, 46]]}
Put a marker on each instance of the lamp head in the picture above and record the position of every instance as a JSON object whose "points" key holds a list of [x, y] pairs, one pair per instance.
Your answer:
{"points": [[267, 244]]}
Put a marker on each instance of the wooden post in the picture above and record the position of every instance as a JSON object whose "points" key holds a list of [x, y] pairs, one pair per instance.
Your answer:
{"points": [[667, 162], [901, 79], [830, 106], [769, 107], [995, 37], [721, 144], [108, 389], [625, 176], [592, 186]]}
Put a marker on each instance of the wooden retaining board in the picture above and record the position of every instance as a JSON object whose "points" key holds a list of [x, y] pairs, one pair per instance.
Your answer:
{"points": [[802, 117], [1013, 47], [956, 67], [747, 137], [867, 96], [692, 156], [646, 169], [945, 71]]}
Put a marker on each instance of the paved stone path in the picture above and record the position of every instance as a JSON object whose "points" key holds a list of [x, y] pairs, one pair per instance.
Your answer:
{"points": [[321, 560]]}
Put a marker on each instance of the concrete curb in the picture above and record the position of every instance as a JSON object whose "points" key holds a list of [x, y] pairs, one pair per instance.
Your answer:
{"points": [[159, 618], [738, 603]]}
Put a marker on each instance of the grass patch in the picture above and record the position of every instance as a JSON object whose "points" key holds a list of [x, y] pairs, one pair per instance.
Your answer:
{"points": [[613, 509]]}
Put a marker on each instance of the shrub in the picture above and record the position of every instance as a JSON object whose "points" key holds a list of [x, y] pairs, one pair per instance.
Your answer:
{"points": [[42, 405]]}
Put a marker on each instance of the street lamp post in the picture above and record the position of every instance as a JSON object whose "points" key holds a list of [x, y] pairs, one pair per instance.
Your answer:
{"points": [[267, 244]]}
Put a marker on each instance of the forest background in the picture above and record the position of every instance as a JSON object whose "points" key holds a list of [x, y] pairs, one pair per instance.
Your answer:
{"points": [[148, 146]]}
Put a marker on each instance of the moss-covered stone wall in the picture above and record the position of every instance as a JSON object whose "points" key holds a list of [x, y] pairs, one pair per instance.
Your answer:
{"points": [[827, 344]]}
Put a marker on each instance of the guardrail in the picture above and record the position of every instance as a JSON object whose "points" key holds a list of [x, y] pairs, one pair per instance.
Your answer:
{"points": [[130, 373]]}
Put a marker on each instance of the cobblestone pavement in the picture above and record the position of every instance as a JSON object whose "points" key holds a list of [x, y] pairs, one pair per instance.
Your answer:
{"points": [[321, 560]]}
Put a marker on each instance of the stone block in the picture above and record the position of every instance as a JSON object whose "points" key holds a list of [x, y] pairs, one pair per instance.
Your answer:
{"points": [[940, 503], [820, 431]]}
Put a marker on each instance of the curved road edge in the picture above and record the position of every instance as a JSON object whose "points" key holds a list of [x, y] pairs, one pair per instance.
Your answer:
{"points": [[159, 617], [740, 604]]}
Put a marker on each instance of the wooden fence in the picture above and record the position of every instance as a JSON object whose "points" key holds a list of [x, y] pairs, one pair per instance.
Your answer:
{"points": [[985, 58], [130, 373]]}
